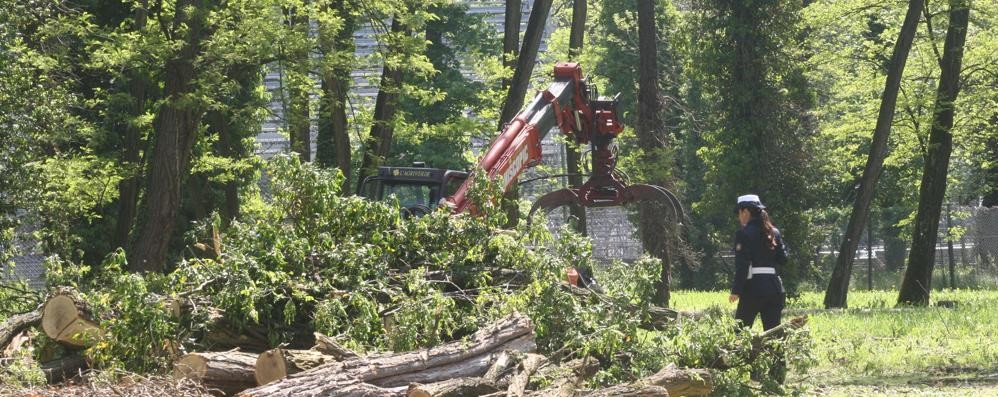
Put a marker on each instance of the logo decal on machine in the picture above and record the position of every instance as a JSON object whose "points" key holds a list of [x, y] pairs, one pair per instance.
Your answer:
{"points": [[519, 161]]}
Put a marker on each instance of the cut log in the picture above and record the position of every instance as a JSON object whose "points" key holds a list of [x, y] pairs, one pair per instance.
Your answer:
{"points": [[327, 345], [567, 377], [670, 381], [64, 368], [518, 386], [275, 364], [470, 358], [66, 320], [495, 379], [682, 382], [17, 324], [460, 387], [226, 372], [474, 365], [629, 391]]}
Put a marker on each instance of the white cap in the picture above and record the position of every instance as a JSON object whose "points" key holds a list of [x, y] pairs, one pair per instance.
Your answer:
{"points": [[749, 198]]}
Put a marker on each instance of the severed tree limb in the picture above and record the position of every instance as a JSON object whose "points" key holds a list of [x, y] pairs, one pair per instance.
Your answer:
{"points": [[657, 317], [759, 341], [670, 381], [327, 345], [459, 387], [518, 386], [17, 324], [780, 330], [568, 377], [494, 380]]}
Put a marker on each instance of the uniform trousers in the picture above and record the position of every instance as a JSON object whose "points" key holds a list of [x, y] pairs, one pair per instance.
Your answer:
{"points": [[770, 307]]}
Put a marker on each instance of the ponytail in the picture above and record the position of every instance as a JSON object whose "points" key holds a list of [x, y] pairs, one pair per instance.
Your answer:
{"points": [[768, 230]]}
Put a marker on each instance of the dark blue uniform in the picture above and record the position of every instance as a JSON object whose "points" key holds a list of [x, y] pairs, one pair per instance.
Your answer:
{"points": [[762, 293]]}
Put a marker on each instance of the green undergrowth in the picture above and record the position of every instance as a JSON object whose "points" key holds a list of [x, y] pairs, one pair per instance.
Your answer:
{"points": [[873, 348]]}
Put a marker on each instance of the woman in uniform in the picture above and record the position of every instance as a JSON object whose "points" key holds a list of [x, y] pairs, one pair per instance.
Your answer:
{"points": [[759, 254]]}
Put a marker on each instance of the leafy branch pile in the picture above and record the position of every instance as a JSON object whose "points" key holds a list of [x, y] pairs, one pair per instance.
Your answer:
{"points": [[333, 280]]}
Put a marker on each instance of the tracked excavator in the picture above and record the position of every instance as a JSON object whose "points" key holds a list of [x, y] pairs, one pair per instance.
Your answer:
{"points": [[570, 104]]}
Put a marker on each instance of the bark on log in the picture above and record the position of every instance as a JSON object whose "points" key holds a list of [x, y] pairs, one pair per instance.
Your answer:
{"points": [[670, 381], [278, 363], [682, 382], [453, 360], [495, 379], [66, 320], [568, 377], [459, 387], [64, 368], [518, 386], [628, 391], [326, 345], [227, 372], [16, 324]]}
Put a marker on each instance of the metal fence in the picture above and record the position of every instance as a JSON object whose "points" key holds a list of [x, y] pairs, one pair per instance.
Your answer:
{"points": [[966, 251]]}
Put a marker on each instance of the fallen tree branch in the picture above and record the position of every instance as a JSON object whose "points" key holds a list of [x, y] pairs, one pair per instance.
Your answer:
{"points": [[670, 381], [657, 317], [518, 386], [328, 345], [17, 324], [494, 380]]}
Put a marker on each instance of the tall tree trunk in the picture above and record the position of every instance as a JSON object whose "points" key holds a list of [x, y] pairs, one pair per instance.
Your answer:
{"points": [[572, 157], [838, 286], [379, 142], [231, 128], [918, 277], [511, 37], [991, 174], [299, 85], [176, 129], [525, 60], [655, 234], [128, 188], [333, 143]]}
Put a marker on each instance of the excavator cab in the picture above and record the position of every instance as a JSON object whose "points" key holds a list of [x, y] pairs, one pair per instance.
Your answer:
{"points": [[418, 189]]}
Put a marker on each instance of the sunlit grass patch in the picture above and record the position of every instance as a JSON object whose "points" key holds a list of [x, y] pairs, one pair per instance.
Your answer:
{"points": [[873, 344]]}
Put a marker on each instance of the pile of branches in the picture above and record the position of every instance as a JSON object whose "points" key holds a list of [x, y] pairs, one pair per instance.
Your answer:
{"points": [[314, 292]]}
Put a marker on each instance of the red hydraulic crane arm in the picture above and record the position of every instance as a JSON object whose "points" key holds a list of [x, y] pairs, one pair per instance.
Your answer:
{"points": [[564, 104]]}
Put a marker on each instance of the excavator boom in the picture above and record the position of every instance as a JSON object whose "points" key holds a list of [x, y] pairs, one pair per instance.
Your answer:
{"points": [[568, 104]]}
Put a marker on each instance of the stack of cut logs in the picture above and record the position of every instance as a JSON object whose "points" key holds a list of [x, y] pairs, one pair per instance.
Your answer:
{"points": [[498, 360]]}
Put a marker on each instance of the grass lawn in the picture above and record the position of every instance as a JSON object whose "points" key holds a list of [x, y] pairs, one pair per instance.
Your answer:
{"points": [[873, 349]]}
